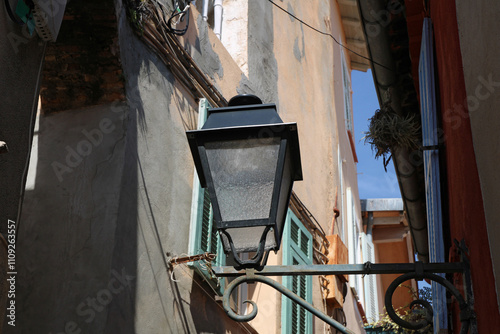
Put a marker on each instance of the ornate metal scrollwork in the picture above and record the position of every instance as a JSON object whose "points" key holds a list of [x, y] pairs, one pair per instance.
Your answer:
{"points": [[466, 313], [418, 271], [250, 277]]}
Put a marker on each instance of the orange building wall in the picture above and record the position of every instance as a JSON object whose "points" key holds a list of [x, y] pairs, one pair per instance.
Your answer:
{"points": [[394, 252]]}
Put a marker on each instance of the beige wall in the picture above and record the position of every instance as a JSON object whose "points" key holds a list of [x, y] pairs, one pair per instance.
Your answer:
{"points": [[311, 93]]}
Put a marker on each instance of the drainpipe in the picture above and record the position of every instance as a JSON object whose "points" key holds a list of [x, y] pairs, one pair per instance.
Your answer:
{"points": [[410, 178], [204, 13], [369, 227], [218, 17]]}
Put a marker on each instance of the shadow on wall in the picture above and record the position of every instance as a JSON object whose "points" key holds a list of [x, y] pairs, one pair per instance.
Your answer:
{"points": [[96, 206], [77, 244], [72, 224]]}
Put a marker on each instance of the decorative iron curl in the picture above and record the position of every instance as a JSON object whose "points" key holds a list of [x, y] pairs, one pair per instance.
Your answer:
{"points": [[251, 278], [466, 313]]}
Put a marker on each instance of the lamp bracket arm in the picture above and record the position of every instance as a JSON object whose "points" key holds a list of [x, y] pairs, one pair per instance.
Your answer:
{"points": [[252, 277]]}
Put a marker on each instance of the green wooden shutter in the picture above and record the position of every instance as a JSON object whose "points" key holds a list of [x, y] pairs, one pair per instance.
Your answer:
{"points": [[203, 235], [297, 250], [206, 223], [347, 95]]}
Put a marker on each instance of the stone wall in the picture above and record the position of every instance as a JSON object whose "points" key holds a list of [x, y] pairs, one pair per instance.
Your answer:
{"points": [[83, 67]]}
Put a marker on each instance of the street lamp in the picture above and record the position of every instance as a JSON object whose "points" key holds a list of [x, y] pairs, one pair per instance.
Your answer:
{"points": [[248, 159]]}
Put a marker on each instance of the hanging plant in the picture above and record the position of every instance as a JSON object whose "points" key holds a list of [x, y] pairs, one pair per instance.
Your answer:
{"points": [[388, 130]]}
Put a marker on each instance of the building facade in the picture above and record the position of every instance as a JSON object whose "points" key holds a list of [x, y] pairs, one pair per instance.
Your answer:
{"points": [[112, 200], [437, 60]]}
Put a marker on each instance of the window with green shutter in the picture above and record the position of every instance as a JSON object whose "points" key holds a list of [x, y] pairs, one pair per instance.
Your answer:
{"points": [[347, 95], [297, 250], [203, 236]]}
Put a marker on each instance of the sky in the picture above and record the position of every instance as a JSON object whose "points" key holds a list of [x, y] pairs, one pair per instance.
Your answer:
{"points": [[373, 181]]}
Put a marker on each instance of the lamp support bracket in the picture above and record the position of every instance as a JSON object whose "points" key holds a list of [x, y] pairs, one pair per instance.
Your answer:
{"points": [[409, 271]]}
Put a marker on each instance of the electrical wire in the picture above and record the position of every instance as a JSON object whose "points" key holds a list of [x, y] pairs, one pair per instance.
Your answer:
{"points": [[180, 15], [329, 35]]}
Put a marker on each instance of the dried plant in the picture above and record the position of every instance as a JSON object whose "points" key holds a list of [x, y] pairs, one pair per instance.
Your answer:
{"points": [[388, 131]]}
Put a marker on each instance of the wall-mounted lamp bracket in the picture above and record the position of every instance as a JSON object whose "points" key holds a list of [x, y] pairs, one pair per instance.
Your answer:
{"points": [[409, 271]]}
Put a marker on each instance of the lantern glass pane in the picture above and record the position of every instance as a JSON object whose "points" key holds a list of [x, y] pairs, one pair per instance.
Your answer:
{"points": [[243, 173], [247, 239]]}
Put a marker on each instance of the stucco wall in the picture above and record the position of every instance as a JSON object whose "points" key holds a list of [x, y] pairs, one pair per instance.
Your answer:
{"points": [[482, 83], [310, 92]]}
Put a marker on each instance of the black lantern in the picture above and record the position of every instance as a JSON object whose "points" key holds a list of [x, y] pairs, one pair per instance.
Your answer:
{"points": [[248, 158]]}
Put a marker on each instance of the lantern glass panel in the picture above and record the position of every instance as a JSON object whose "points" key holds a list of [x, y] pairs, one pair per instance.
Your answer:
{"points": [[247, 239], [243, 174]]}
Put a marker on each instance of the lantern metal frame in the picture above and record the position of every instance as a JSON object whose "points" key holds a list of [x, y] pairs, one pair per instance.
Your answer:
{"points": [[245, 122]]}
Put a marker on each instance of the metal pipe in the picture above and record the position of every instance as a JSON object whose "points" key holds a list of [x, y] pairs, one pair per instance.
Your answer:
{"points": [[218, 18], [376, 18], [347, 269], [204, 13]]}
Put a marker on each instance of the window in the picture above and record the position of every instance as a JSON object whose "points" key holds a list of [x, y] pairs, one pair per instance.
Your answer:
{"points": [[204, 236], [354, 249], [297, 250], [347, 95], [370, 281]]}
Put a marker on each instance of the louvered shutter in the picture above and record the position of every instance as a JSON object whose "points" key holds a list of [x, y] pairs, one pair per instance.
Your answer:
{"points": [[203, 235], [370, 281], [347, 95], [353, 244], [431, 169], [206, 223], [297, 250]]}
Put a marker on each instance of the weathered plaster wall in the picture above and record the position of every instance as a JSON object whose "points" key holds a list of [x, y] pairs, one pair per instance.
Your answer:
{"points": [[310, 92], [235, 31], [482, 83], [69, 220]]}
